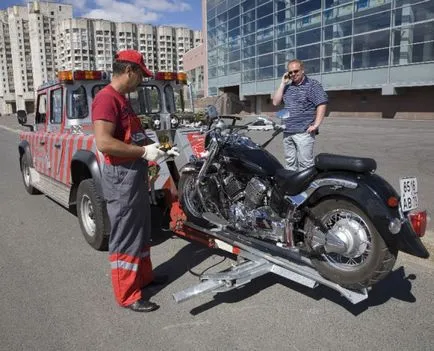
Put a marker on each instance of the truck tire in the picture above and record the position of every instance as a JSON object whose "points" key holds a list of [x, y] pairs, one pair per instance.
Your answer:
{"points": [[92, 215], [372, 265], [27, 177]]}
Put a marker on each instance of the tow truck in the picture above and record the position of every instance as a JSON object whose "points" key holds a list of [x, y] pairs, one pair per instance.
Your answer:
{"points": [[58, 157]]}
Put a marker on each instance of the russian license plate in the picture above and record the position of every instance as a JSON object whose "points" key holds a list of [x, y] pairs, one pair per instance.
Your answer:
{"points": [[409, 199]]}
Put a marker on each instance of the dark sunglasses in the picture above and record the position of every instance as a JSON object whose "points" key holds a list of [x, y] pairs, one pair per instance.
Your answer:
{"points": [[293, 72]]}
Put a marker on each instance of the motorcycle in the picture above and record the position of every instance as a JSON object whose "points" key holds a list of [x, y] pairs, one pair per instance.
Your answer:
{"points": [[348, 221]]}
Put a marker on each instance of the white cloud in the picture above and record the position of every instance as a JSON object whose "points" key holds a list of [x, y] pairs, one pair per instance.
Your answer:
{"points": [[79, 4], [119, 11], [179, 25], [164, 5]]}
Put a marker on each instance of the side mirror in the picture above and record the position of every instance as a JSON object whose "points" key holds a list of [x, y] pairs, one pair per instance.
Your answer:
{"points": [[22, 117]]}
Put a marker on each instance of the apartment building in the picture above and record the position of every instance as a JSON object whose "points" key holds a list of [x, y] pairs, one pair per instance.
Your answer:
{"points": [[41, 38], [27, 51]]}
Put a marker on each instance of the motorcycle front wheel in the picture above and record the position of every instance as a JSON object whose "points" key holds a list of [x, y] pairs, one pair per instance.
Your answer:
{"points": [[370, 260], [189, 199]]}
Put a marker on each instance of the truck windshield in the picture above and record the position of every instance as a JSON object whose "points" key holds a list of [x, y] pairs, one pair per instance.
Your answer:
{"points": [[178, 99], [146, 100]]}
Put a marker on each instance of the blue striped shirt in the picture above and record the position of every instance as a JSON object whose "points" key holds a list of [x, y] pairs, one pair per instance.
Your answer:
{"points": [[300, 104]]}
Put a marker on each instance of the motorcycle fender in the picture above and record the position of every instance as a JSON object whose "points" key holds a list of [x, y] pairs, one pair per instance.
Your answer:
{"points": [[191, 167], [371, 196]]}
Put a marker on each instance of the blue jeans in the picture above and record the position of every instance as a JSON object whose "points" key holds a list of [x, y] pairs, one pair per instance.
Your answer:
{"points": [[298, 150]]}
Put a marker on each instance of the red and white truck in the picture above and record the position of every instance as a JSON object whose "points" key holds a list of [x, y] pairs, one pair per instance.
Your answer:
{"points": [[58, 155]]}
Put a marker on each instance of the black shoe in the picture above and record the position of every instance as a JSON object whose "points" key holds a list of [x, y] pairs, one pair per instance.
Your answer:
{"points": [[143, 306], [159, 280]]}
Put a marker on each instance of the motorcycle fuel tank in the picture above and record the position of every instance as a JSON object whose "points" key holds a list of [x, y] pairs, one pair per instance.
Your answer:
{"points": [[250, 160]]}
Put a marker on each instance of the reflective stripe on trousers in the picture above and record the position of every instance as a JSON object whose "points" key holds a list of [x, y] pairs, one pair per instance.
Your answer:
{"points": [[125, 189]]}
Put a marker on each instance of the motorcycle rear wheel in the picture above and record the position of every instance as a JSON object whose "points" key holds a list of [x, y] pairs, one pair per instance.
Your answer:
{"points": [[368, 268], [189, 199]]}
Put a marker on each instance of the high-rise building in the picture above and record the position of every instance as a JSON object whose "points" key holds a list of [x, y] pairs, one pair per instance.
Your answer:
{"points": [[27, 51], [41, 38], [364, 52]]}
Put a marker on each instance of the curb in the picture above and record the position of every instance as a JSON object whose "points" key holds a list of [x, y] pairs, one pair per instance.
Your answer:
{"points": [[17, 131]]}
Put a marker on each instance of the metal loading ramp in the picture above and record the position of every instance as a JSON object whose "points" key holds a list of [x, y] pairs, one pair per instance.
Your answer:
{"points": [[253, 263]]}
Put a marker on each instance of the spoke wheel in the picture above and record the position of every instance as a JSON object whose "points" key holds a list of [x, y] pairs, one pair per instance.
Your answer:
{"points": [[189, 199], [367, 258], [353, 230]]}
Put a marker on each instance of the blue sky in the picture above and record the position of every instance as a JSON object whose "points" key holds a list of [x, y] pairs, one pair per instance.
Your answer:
{"points": [[184, 13]]}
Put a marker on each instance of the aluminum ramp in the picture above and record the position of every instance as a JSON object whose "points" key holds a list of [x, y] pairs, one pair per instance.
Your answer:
{"points": [[253, 263]]}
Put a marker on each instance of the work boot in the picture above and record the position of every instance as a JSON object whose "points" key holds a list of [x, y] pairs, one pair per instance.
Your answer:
{"points": [[143, 306]]}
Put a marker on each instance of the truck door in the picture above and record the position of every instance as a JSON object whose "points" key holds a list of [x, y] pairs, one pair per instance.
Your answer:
{"points": [[55, 137], [39, 148]]}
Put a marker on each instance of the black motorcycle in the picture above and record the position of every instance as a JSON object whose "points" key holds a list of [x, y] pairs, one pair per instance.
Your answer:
{"points": [[344, 218]]}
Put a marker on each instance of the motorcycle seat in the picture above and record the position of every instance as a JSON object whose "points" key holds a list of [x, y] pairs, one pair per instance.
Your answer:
{"points": [[293, 183], [331, 162]]}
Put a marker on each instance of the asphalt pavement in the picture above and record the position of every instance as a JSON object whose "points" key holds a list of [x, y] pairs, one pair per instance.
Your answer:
{"points": [[56, 292]]}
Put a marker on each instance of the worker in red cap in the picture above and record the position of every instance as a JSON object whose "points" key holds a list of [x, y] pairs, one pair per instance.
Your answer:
{"points": [[123, 142]]}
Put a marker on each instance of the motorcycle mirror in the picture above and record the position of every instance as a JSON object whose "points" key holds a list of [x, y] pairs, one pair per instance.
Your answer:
{"points": [[265, 120]]}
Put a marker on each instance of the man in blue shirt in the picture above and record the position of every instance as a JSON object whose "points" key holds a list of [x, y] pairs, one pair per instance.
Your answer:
{"points": [[305, 106]]}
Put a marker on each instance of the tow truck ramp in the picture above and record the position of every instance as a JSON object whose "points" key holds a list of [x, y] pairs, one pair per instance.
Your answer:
{"points": [[253, 263]]}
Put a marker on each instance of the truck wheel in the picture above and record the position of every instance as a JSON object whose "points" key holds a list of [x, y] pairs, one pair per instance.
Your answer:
{"points": [[27, 177], [92, 215]]}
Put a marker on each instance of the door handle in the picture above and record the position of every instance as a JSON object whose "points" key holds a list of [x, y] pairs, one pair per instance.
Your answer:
{"points": [[57, 146], [42, 142]]}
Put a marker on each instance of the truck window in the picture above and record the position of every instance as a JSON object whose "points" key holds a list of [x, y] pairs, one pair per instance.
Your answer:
{"points": [[146, 100], [56, 106], [96, 89], [78, 107], [177, 100], [41, 111]]}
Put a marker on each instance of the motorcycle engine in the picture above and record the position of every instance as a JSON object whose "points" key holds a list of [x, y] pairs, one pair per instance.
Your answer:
{"points": [[250, 212]]}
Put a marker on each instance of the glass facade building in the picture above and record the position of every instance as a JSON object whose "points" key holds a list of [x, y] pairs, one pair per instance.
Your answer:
{"points": [[345, 44]]}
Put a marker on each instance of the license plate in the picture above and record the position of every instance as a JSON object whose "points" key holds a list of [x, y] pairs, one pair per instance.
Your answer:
{"points": [[409, 199]]}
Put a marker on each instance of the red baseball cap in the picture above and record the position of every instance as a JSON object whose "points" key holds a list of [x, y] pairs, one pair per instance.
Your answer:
{"points": [[134, 57]]}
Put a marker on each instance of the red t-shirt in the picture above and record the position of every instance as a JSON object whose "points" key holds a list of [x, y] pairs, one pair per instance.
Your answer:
{"points": [[109, 105]]}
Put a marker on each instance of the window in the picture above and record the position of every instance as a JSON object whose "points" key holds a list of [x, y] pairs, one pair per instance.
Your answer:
{"points": [[374, 58], [41, 111], [56, 106], [415, 13], [265, 60], [338, 30], [371, 41], [370, 23], [308, 37], [77, 105], [146, 100], [308, 52]]}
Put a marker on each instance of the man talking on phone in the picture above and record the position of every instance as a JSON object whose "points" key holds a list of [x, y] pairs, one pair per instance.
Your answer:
{"points": [[305, 106]]}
